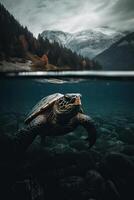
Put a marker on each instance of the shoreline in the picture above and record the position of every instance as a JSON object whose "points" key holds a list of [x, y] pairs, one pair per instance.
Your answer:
{"points": [[15, 66]]}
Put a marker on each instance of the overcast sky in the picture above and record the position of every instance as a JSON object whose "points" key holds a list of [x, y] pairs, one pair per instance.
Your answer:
{"points": [[72, 15]]}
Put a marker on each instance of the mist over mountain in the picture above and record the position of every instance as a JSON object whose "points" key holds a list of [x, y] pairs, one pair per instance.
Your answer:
{"points": [[87, 43]]}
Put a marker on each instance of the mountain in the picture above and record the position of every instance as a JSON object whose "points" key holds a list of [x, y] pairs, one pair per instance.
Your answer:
{"points": [[120, 56], [18, 41], [87, 43], [63, 38]]}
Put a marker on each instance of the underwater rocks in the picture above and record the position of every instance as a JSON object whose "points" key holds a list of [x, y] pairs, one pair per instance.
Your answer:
{"points": [[72, 187], [95, 183], [126, 134], [120, 169], [128, 150], [64, 168], [118, 165], [75, 175], [85, 175], [113, 134]]}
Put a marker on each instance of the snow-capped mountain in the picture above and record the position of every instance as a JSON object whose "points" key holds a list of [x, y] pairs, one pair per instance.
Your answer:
{"points": [[88, 43], [58, 36]]}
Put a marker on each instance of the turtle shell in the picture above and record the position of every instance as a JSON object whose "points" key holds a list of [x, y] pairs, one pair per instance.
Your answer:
{"points": [[42, 105]]}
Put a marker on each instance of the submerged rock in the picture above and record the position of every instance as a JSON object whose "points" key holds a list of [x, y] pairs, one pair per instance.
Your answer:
{"points": [[96, 184], [79, 145], [104, 130], [120, 169], [118, 164], [126, 134], [111, 192], [72, 184], [128, 150]]}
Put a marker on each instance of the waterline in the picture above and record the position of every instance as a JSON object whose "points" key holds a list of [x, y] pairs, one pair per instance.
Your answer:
{"points": [[71, 74]]}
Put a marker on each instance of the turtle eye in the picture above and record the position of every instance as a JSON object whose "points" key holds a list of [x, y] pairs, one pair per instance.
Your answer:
{"points": [[72, 100]]}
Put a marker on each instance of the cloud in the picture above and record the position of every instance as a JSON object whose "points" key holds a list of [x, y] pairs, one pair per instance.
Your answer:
{"points": [[72, 15]]}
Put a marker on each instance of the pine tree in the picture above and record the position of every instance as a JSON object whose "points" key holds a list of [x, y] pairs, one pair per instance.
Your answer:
{"points": [[16, 40]]}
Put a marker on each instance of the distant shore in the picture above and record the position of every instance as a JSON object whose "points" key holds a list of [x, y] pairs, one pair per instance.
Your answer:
{"points": [[23, 65], [17, 65]]}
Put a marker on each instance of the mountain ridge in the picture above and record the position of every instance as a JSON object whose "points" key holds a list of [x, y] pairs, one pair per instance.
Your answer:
{"points": [[88, 42], [120, 55], [17, 41]]}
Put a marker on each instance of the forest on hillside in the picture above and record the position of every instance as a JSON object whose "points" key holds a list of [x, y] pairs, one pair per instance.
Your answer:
{"points": [[16, 40]]}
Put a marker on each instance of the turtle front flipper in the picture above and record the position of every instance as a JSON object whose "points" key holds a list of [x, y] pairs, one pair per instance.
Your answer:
{"points": [[88, 124]]}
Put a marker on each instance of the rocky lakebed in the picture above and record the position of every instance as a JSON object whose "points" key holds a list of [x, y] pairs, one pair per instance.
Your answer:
{"points": [[65, 169]]}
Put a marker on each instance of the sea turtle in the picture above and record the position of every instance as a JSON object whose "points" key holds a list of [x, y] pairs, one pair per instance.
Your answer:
{"points": [[54, 115]]}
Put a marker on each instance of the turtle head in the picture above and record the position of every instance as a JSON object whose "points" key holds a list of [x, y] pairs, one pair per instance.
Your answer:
{"points": [[68, 104]]}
